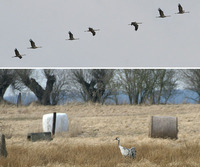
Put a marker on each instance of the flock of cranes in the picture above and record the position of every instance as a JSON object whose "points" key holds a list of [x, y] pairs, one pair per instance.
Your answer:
{"points": [[93, 31], [33, 46]]}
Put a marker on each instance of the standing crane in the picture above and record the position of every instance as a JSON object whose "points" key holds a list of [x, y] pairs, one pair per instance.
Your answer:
{"points": [[180, 10], [33, 46], [71, 36], [162, 15], [17, 54], [93, 31], [135, 24], [126, 151]]}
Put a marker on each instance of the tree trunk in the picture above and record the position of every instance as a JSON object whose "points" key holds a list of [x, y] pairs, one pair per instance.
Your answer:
{"points": [[35, 88], [3, 89], [42, 95], [49, 87]]}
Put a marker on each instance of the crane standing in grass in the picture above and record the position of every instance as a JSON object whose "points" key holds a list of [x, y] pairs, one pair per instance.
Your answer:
{"points": [[126, 151]]}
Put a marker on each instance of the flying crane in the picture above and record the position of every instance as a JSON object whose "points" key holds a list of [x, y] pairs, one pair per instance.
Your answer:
{"points": [[93, 31], [135, 24], [33, 46], [17, 54], [71, 36], [161, 13], [180, 10]]}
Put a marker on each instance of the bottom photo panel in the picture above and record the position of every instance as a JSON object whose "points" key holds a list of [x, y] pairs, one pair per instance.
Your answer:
{"points": [[100, 117]]}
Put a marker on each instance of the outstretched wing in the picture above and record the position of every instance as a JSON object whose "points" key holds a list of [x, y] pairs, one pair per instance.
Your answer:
{"points": [[161, 12], [92, 31], [32, 43], [180, 8], [16, 52], [70, 35], [136, 26]]}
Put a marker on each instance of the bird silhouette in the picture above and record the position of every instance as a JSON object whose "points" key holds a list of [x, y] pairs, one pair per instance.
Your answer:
{"points": [[135, 24], [71, 36], [93, 31], [180, 10], [33, 46], [17, 54], [161, 13]]}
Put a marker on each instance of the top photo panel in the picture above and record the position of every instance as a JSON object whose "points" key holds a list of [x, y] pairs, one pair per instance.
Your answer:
{"points": [[99, 33]]}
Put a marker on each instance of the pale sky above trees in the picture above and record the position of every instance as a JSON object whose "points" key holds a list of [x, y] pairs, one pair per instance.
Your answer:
{"points": [[168, 42]]}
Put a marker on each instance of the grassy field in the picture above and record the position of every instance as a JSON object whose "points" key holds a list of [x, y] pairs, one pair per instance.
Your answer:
{"points": [[92, 130]]}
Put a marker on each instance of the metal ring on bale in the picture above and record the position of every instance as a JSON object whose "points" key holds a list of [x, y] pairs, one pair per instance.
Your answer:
{"points": [[164, 127]]}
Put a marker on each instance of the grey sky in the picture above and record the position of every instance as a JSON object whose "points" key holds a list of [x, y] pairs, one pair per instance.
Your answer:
{"points": [[169, 42]]}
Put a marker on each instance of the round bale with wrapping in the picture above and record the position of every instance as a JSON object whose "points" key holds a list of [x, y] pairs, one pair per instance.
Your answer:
{"points": [[61, 122]]}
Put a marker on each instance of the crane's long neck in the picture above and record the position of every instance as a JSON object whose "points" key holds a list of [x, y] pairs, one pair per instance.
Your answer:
{"points": [[119, 143]]}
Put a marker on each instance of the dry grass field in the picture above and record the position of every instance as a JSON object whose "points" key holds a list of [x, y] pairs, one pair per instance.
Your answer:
{"points": [[92, 130]]}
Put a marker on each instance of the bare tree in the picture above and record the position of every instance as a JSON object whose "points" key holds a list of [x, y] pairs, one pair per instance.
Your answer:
{"points": [[93, 83], [115, 86], [132, 81], [191, 80], [148, 85], [7, 77], [62, 87], [43, 94]]}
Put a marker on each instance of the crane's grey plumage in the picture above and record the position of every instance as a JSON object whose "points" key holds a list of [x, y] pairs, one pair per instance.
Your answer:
{"points": [[71, 36], [161, 13], [135, 24], [17, 54], [93, 31], [33, 46], [180, 10], [126, 151]]}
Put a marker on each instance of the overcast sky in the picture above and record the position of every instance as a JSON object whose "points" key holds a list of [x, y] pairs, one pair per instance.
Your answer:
{"points": [[168, 42]]}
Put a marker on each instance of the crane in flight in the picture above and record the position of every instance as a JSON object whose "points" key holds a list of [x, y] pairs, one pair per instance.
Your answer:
{"points": [[33, 46], [93, 31], [17, 54], [71, 36], [180, 10], [161, 13], [135, 24]]}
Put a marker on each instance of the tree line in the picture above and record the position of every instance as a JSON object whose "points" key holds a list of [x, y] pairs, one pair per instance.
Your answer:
{"points": [[142, 86]]}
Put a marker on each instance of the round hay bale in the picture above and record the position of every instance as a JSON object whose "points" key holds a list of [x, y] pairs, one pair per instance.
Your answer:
{"points": [[61, 122], [164, 127]]}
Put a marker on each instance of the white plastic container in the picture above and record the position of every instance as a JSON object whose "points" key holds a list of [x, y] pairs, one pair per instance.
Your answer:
{"points": [[61, 122]]}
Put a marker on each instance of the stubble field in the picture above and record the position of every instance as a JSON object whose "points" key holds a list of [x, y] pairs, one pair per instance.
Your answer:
{"points": [[92, 130]]}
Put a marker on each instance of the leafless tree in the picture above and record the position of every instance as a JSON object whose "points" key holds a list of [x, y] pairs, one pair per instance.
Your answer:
{"points": [[167, 84], [148, 85], [93, 83], [132, 81], [191, 81], [115, 86], [7, 77], [43, 94], [62, 87]]}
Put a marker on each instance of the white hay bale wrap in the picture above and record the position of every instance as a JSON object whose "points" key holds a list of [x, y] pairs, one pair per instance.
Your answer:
{"points": [[164, 127], [61, 122]]}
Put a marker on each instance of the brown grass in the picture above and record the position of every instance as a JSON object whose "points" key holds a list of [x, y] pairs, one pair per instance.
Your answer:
{"points": [[92, 129]]}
